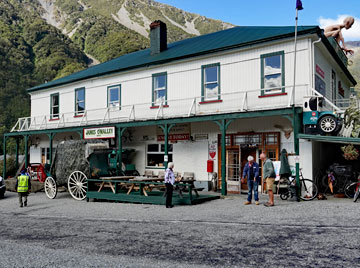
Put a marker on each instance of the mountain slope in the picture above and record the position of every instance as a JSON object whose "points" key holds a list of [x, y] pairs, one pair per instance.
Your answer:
{"points": [[354, 62], [41, 40], [123, 25], [31, 52]]}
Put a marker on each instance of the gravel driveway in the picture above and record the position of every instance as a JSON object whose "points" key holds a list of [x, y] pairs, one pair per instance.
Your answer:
{"points": [[221, 233]]}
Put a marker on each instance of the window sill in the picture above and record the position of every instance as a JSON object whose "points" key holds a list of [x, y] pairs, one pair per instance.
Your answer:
{"points": [[273, 95], [154, 167], [211, 101], [79, 115], [157, 107], [54, 119]]}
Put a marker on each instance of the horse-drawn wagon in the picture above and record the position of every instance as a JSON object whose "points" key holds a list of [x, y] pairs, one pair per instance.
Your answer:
{"points": [[77, 161]]}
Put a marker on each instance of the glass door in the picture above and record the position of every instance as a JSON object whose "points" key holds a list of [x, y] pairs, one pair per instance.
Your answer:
{"points": [[233, 168]]}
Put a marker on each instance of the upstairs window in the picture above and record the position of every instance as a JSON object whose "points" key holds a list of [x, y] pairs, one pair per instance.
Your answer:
{"points": [[159, 89], [114, 96], [54, 106], [79, 101], [210, 82], [272, 73]]}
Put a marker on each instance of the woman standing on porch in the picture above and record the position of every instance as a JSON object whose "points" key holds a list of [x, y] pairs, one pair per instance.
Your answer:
{"points": [[169, 182]]}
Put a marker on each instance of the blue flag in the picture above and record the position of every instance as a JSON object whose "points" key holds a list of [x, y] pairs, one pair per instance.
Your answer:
{"points": [[299, 5]]}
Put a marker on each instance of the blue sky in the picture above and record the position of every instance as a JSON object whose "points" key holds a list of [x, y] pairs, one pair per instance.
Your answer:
{"points": [[275, 12]]}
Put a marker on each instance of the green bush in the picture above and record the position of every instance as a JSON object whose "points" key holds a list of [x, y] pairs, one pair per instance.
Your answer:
{"points": [[10, 167]]}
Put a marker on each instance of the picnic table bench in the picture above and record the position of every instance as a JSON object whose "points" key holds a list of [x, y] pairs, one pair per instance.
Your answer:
{"points": [[151, 184], [108, 182], [141, 190]]}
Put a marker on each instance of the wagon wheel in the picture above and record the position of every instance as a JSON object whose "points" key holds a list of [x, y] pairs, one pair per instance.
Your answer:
{"points": [[77, 185], [50, 187]]}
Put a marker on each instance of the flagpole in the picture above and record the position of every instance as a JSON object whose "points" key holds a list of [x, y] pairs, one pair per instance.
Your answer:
{"points": [[295, 47], [295, 125]]}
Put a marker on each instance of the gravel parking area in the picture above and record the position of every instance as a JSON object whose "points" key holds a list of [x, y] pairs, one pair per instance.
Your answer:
{"points": [[221, 233]]}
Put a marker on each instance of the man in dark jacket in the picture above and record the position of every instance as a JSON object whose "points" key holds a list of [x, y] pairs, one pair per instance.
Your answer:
{"points": [[23, 186], [251, 172]]}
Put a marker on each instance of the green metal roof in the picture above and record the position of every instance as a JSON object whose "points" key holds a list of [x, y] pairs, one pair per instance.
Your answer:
{"points": [[331, 139], [192, 47]]}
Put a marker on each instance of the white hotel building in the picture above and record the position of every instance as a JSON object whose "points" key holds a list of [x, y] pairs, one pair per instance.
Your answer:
{"points": [[221, 96]]}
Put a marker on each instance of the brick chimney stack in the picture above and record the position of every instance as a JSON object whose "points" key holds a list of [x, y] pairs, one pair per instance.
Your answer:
{"points": [[158, 37]]}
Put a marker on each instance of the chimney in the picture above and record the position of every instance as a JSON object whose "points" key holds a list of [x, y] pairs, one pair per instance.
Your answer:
{"points": [[158, 37]]}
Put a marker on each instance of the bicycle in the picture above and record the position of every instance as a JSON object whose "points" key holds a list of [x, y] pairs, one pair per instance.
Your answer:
{"points": [[352, 190], [308, 189]]}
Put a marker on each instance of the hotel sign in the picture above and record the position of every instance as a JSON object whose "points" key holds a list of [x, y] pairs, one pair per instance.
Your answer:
{"points": [[179, 132], [99, 133]]}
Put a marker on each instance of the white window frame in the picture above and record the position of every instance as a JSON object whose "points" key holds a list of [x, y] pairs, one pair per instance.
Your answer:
{"points": [[114, 104], [159, 152]]}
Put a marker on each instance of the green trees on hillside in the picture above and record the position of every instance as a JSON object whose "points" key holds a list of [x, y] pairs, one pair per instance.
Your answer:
{"points": [[106, 39], [355, 70], [31, 52]]}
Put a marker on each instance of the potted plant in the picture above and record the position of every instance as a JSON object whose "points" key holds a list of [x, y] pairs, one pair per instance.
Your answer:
{"points": [[350, 152]]}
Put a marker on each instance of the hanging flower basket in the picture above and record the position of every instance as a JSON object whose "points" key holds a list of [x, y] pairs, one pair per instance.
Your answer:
{"points": [[350, 152]]}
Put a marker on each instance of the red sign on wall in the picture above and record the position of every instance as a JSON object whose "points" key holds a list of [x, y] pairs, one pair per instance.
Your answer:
{"points": [[179, 132], [320, 72], [174, 137]]}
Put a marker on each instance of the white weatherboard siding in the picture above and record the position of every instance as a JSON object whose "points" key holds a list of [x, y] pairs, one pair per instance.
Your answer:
{"points": [[306, 159], [328, 64], [240, 71]]}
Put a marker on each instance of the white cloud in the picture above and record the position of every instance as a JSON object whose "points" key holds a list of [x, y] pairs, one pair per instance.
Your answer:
{"points": [[352, 34]]}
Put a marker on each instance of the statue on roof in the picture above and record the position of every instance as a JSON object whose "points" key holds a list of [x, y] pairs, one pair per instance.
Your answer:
{"points": [[335, 31]]}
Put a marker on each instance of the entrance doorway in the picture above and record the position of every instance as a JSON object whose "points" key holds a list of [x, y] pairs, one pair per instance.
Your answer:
{"points": [[233, 168], [245, 152], [238, 147]]}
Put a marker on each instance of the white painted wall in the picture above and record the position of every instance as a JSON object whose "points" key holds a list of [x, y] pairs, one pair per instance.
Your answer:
{"points": [[191, 157], [240, 71], [327, 64], [306, 159], [42, 141]]}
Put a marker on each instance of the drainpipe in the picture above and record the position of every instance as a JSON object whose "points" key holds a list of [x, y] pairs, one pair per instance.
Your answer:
{"points": [[313, 62]]}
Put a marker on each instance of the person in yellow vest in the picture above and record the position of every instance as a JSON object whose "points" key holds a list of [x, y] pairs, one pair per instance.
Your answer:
{"points": [[23, 186]]}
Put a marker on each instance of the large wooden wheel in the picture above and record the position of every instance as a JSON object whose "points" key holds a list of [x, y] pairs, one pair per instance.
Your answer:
{"points": [[77, 185], [50, 187]]}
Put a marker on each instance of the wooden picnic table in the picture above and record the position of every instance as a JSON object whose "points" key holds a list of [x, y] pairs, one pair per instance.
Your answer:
{"points": [[108, 181], [139, 180], [186, 183]]}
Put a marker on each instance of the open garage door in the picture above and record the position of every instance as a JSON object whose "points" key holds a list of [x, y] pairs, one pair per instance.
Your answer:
{"points": [[323, 155]]}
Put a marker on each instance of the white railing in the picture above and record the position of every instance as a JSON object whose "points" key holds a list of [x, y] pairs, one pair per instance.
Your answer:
{"points": [[339, 106], [241, 101]]}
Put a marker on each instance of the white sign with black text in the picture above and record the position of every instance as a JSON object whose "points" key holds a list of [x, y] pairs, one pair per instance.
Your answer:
{"points": [[99, 133]]}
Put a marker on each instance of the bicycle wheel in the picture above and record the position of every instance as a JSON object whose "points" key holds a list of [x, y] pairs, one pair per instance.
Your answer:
{"points": [[356, 196], [308, 190], [350, 190], [284, 196]]}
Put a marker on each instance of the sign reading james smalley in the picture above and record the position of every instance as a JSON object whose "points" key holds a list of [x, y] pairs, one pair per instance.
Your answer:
{"points": [[99, 133]]}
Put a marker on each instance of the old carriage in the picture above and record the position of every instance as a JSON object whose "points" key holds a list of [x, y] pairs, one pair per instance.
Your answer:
{"points": [[76, 161]]}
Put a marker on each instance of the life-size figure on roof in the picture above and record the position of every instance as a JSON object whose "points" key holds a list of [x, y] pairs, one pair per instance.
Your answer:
{"points": [[335, 31]]}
